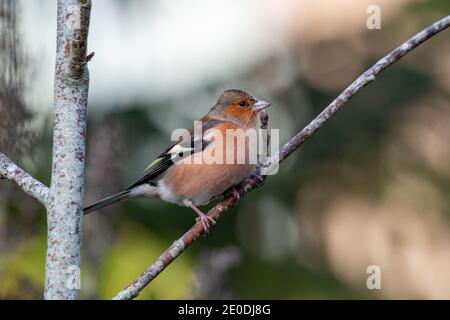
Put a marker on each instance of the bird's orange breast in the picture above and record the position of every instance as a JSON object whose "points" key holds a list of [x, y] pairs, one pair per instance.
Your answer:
{"points": [[204, 175]]}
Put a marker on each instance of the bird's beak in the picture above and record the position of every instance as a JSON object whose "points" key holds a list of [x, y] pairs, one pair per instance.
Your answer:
{"points": [[261, 105]]}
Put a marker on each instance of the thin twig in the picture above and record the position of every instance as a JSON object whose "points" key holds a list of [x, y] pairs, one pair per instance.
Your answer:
{"points": [[255, 179], [10, 171], [90, 56]]}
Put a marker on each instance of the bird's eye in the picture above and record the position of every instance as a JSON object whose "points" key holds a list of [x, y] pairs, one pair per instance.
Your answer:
{"points": [[242, 103]]}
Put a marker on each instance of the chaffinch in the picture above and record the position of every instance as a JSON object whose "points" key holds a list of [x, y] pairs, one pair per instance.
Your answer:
{"points": [[184, 174]]}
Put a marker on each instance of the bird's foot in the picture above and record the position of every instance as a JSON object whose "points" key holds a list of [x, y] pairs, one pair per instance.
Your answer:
{"points": [[205, 221], [233, 193], [255, 179], [202, 218]]}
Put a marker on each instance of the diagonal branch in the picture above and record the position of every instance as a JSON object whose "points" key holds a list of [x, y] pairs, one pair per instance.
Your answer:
{"points": [[256, 179], [9, 170]]}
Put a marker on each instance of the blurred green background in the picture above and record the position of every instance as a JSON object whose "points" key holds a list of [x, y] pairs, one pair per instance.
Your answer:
{"points": [[372, 187]]}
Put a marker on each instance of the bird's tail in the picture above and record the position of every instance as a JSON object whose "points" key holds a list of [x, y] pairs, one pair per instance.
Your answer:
{"points": [[121, 196]]}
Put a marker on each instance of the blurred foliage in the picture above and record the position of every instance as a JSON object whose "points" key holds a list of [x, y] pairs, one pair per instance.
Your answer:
{"points": [[23, 269], [136, 246], [428, 5], [15, 135], [262, 280]]}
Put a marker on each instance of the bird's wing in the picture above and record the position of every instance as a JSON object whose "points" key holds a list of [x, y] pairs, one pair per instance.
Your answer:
{"points": [[177, 152]]}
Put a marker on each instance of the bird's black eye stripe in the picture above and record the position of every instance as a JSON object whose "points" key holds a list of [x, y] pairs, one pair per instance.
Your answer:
{"points": [[242, 103]]}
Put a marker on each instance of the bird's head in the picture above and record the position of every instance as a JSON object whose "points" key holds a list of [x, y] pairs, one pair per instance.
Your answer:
{"points": [[239, 105]]}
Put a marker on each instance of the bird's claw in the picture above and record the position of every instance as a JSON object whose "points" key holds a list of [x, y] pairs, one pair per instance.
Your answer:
{"points": [[235, 194], [232, 192], [205, 221], [257, 179]]}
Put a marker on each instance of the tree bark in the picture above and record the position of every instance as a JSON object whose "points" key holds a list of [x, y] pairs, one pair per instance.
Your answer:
{"points": [[65, 200], [10, 171]]}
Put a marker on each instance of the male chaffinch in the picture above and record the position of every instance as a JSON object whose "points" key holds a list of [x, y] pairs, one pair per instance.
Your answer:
{"points": [[181, 175]]}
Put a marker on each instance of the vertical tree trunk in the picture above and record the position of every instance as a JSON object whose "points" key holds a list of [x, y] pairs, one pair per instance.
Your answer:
{"points": [[65, 208]]}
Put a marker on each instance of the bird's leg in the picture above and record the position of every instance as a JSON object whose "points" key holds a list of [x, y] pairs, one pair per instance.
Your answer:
{"points": [[204, 219]]}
